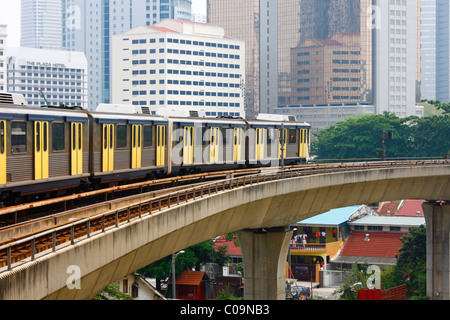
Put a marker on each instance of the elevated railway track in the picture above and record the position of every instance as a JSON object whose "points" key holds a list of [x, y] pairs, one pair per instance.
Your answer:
{"points": [[27, 241]]}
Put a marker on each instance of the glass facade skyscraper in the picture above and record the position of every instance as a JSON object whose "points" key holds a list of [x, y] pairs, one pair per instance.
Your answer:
{"points": [[323, 51], [41, 24]]}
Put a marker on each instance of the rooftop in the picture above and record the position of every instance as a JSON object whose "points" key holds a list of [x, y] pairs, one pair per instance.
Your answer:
{"points": [[377, 247], [336, 217], [389, 221]]}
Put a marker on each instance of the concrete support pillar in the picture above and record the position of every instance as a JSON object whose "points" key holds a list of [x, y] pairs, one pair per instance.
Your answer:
{"points": [[264, 254], [437, 215]]}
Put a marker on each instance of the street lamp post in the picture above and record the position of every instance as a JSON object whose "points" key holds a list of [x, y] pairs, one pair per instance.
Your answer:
{"points": [[174, 292]]}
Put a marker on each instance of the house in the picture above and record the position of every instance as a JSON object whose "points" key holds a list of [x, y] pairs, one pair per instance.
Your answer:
{"points": [[190, 285], [234, 252], [139, 288], [375, 240], [318, 239]]}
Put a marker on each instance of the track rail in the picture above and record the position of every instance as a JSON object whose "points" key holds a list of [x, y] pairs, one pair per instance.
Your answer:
{"points": [[30, 248], [30, 211]]}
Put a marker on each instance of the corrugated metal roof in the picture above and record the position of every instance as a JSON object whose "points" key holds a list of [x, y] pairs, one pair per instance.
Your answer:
{"points": [[190, 278], [334, 217], [389, 221]]}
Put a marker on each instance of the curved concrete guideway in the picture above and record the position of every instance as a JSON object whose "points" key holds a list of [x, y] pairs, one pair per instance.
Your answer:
{"points": [[109, 256]]}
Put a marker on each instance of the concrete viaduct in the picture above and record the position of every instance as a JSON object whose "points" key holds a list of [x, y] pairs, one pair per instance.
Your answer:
{"points": [[272, 204]]}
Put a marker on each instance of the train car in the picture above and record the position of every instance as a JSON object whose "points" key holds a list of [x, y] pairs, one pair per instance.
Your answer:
{"points": [[266, 134], [43, 151], [126, 144], [198, 143]]}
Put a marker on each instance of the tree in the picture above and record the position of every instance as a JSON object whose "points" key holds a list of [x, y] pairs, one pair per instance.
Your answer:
{"points": [[410, 268], [355, 280], [193, 257], [111, 292], [360, 137], [445, 107]]}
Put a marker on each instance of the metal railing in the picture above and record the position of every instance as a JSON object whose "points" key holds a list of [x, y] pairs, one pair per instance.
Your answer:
{"points": [[32, 247]]}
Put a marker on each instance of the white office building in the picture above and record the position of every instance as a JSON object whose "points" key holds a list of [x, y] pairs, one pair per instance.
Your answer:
{"points": [[41, 22], [179, 65], [48, 77], [396, 56], [3, 36]]}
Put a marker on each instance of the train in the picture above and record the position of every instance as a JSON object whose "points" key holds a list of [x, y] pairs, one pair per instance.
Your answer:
{"points": [[51, 151]]}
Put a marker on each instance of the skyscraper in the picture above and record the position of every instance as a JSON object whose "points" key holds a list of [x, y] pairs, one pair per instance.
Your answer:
{"points": [[41, 22], [395, 56], [443, 50], [428, 49], [274, 30], [88, 25]]}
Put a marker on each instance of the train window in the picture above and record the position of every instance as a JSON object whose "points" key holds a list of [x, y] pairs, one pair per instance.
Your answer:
{"points": [[292, 136], [121, 137], [80, 135], [105, 137], [58, 137], [45, 133], [2, 137], [148, 136], [18, 137]]}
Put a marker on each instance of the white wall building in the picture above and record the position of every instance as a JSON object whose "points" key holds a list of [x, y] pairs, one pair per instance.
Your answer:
{"points": [[61, 75], [395, 56], [41, 22], [179, 65], [3, 36]]}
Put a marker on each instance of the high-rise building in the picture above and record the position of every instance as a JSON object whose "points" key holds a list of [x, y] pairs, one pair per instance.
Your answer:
{"points": [[89, 25], [396, 56], [443, 50], [41, 22], [3, 77], [428, 28], [179, 65], [273, 29], [386, 38], [48, 76]]}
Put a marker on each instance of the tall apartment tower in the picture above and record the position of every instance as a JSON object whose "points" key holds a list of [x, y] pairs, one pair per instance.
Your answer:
{"points": [[443, 50], [396, 56], [89, 25], [41, 22], [428, 28]]}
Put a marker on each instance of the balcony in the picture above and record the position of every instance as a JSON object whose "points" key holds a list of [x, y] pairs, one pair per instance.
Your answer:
{"points": [[331, 249]]}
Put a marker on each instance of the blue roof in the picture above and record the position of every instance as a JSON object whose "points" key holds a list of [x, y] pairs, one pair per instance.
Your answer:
{"points": [[335, 217]]}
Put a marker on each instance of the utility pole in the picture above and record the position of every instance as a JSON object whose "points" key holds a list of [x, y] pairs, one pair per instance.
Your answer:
{"points": [[386, 135]]}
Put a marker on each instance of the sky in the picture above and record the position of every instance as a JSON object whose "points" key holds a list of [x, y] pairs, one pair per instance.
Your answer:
{"points": [[10, 15]]}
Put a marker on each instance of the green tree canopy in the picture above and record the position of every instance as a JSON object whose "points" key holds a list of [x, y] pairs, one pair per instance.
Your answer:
{"points": [[361, 137]]}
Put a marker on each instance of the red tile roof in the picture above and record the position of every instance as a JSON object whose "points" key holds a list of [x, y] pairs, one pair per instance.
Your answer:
{"points": [[410, 208], [381, 244], [232, 249], [190, 278], [388, 206]]}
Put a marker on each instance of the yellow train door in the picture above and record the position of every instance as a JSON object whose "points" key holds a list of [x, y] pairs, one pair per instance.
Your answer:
{"points": [[160, 145], [188, 145], [136, 146], [260, 143], [76, 148], [237, 149], [41, 150], [283, 136], [2, 152], [303, 142], [214, 144], [108, 147]]}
